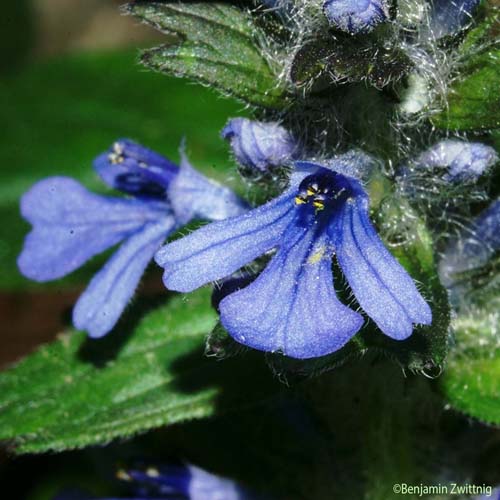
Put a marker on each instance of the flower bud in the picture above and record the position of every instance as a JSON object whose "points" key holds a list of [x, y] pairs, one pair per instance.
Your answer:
{"points": [[355, 16], [260, 145]]}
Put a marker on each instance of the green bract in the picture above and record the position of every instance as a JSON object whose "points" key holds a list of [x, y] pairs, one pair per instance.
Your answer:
{"points": [[216, 44]]}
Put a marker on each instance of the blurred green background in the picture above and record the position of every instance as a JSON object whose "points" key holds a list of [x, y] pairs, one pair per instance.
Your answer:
{"points": [[70, 85]]}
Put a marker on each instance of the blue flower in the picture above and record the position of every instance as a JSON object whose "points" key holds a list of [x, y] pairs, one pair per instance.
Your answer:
{"points": [[477, 243], [355, 16], [260, 145], [292, 307], [71, 225], [449, 16], [188, 482], [463, 161], [174, 482]]}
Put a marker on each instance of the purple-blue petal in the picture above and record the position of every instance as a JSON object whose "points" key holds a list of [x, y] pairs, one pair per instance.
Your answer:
{"points": [[165, 480], [260, 145], [186, 482], [450, 16], [464, 161], [355, 16], [217, 250], [192, 195], [102, 303], [77, 495], [134, 169], [475, 246], [71, 225], [486, 226], [207, 486], [174, 482], [381, 285], [292, 306]]}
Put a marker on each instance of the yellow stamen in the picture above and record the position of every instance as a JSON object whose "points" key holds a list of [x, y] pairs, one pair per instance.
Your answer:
{"points": [[115, 158], [152, 472], [124, 476]]}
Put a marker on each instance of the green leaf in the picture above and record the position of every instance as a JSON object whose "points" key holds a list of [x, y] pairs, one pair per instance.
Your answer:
{"points": [[471, 382], [471, 386], [77, 392], [217, 46], [62, 114], [473, 100]]}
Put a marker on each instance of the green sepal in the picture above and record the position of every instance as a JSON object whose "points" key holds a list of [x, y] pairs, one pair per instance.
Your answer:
{"points": [[221, 345]]}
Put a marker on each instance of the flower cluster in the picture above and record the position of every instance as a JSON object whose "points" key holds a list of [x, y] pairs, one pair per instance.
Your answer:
{"points": [[291, 307], [322, 219]]}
